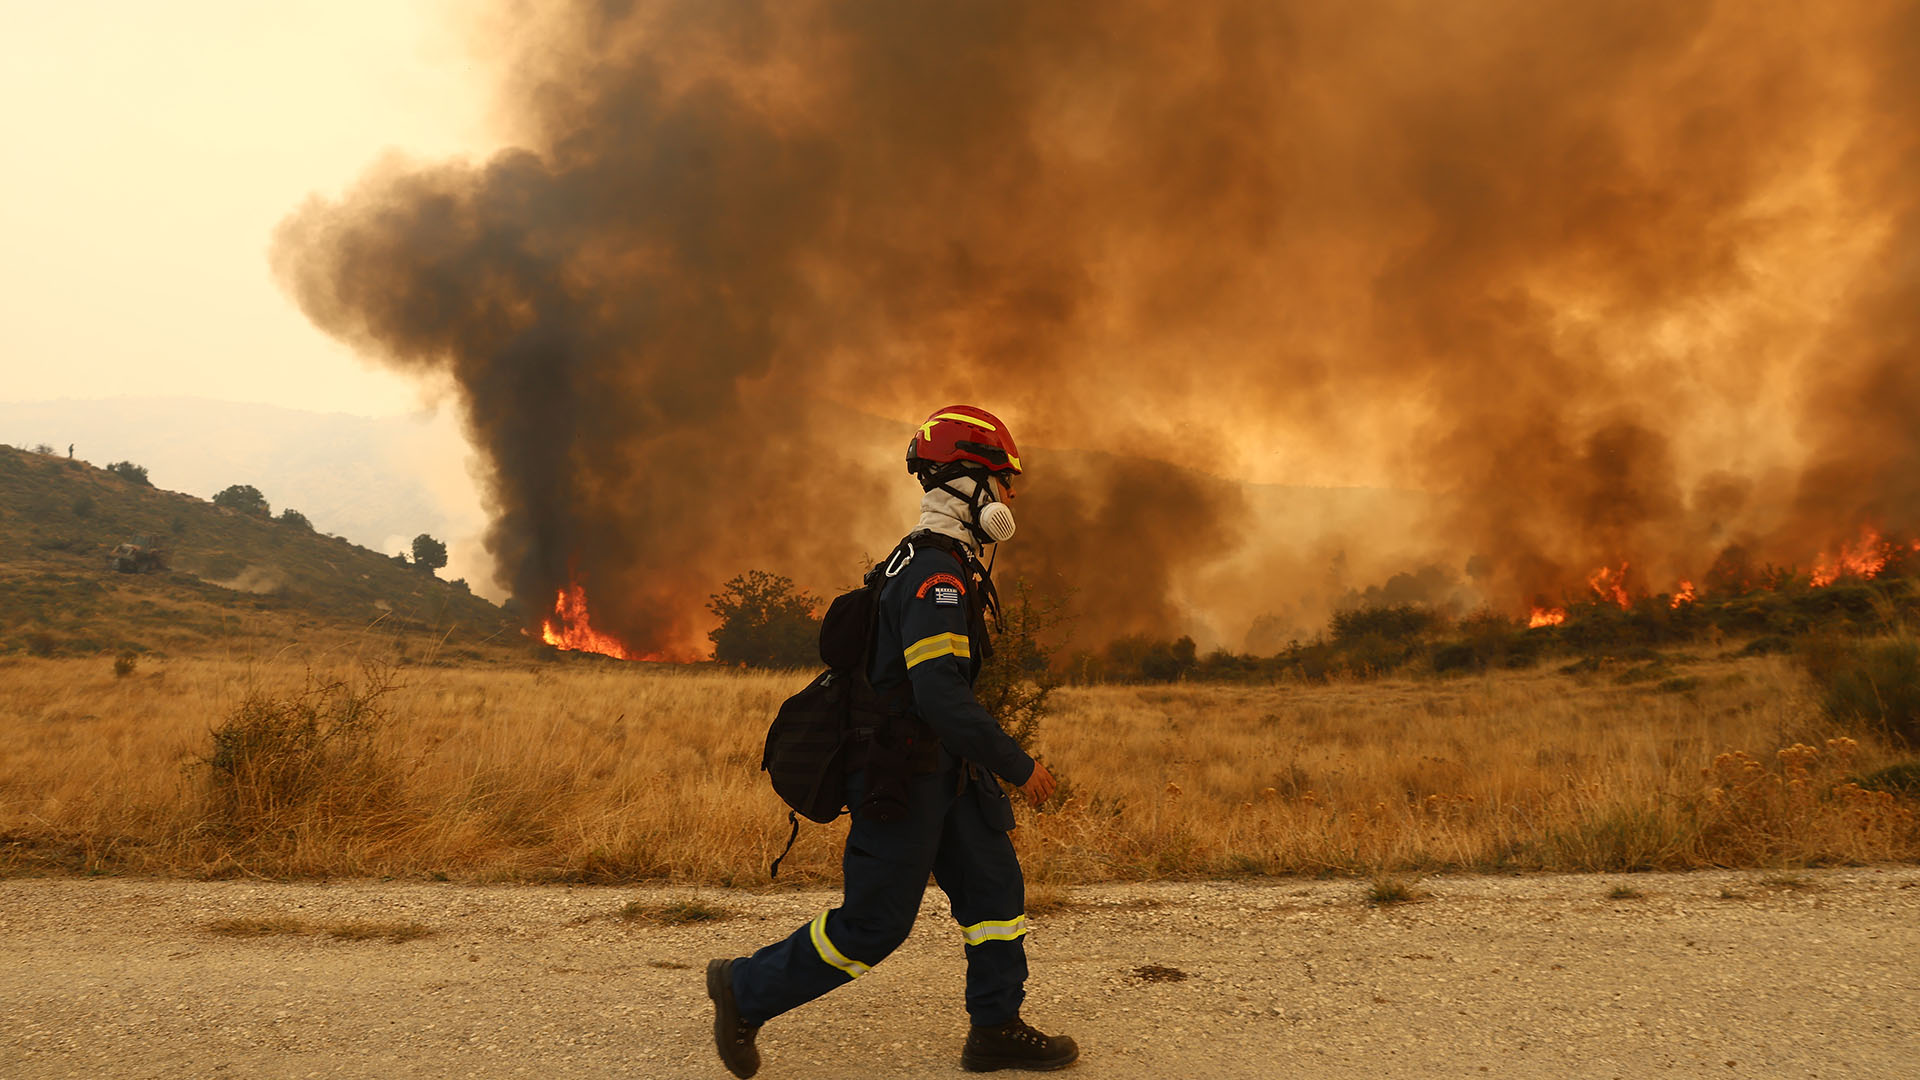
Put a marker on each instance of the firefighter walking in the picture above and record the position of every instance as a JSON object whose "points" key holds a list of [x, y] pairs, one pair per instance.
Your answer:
{"points": [[931, 637]]}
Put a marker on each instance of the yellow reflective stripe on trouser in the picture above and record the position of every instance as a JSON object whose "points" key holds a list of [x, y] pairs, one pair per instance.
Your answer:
{"points": [[831, 955], [995, 930], [938, 645]]}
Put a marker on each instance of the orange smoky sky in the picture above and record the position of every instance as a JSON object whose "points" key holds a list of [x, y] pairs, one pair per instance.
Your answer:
{"points": [[1568, 285]]}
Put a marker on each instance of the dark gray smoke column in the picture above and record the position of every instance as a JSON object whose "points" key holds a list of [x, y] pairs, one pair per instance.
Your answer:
{"points": [[599, 302], [1575, 270]]}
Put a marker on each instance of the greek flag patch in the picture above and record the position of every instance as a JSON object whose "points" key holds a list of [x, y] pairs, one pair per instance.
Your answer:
{"points": [[942, 589]]}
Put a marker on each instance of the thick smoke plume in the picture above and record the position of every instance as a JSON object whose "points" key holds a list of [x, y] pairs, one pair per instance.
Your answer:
{"points": [[1609, 282]]}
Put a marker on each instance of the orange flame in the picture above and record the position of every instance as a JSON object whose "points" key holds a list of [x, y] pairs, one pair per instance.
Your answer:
{"points": [[1864, 558], [569, 628], [1610, 584], [1542, 616], [1683, 594]]}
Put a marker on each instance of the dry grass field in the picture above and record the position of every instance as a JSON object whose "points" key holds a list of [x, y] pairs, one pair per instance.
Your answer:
{"points": [[612, 772]]}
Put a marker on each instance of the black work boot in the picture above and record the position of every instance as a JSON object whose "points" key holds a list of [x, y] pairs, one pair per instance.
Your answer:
{"points": [[732, 1036], [1015, 1045]]}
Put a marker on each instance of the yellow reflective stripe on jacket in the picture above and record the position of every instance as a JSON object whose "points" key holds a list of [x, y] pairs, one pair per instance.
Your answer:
{"points": [[831, 955], [938, 645], [995, 930]]}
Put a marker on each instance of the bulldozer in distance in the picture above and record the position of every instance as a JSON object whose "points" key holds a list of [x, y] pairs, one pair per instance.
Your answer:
{"points": [[138, 556]]}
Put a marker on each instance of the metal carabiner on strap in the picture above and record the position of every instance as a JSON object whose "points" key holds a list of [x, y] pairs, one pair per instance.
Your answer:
{"points": [[897, 563]]}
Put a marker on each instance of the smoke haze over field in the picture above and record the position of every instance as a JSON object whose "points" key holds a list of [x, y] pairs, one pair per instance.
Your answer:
{"points": [[1608, 282]]}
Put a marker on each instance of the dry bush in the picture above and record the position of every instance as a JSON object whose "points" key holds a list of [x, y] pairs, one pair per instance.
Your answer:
{"points": [[1389, 889], [609, 772], [288, 771], [1802, 809]]}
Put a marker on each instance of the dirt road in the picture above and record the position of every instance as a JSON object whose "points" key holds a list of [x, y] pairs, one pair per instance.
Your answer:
{"points": [[1705, 974]]}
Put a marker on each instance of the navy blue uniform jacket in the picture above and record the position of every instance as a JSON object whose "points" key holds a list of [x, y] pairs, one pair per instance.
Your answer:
{"points": [[924, 638]]}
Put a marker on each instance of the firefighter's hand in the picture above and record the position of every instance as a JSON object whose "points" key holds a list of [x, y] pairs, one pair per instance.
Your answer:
{"points": [[1039, 787]]}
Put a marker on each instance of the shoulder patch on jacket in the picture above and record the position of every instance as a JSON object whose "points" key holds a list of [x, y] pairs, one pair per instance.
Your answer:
{"points": [[943, 589]]}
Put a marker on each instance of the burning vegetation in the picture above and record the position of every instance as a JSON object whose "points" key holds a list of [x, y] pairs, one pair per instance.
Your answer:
{"points": [[570, 628], [1620, 289]]}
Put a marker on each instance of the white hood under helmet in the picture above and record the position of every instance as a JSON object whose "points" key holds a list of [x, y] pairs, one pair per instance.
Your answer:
{"points": [[948, 514]]}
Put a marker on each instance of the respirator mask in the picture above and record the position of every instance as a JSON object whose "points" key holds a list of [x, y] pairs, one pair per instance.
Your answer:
{"points": [[995, 520], [992, 519]]}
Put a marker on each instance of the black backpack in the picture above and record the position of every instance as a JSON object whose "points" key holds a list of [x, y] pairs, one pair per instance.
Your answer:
{"points": [[838, 721]]}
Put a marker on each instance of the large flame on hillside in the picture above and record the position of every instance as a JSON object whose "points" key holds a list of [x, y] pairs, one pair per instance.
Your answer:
{"points": [[1683, 594], [569, 627], [1868, 556], [1611, 585], [1863, 558]]}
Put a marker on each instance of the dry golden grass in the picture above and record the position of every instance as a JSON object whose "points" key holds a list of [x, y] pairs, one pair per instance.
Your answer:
{"points": [[611, 772], [1389, 889]]}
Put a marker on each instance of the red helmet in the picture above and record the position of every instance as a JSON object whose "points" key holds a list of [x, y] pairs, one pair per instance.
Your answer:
{"points": [[960, 436]]}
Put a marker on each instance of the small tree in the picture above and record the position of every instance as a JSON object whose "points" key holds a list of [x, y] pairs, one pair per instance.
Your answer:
{"points": [[1015, 685], [128, 471], [244, 498], [1138, 658], [1169, 661], [428, 554], [296, 519], [764, 622]]}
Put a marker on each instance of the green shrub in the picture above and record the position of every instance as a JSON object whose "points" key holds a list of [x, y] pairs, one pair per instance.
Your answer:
{"points": [[128, 471], [1376, 654], [243, 498], [1456, 656], [1873, 682], [1399, 623], [1901, 779], [1138, 658], [1768, 645]]}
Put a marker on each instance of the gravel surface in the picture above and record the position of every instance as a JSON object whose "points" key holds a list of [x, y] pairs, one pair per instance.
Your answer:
{"points": [[1816, 974]]}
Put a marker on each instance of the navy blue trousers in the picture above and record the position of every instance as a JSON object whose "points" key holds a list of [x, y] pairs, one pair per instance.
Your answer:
{"points": [[956, 832]]}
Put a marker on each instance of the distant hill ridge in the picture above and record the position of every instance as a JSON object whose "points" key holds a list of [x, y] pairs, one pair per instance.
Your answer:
{"points": [[371, 480], [231, 578]]}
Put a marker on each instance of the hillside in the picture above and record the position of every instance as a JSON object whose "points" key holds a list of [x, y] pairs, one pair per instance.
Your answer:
{"points": [[230, 580], [377, 482]]}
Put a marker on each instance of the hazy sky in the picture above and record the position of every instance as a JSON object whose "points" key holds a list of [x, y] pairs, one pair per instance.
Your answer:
{"points": [[151, 148]]}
